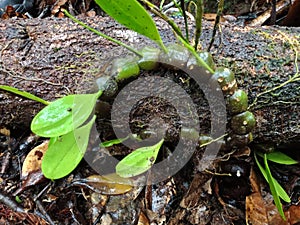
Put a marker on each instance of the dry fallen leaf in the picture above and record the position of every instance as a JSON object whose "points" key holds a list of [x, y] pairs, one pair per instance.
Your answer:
{"points": [[143, 220], [33, 160], [5, 131], [31, 170], [256, 212], [293, 214], [110, 184], [262, 210], [8, 216]]}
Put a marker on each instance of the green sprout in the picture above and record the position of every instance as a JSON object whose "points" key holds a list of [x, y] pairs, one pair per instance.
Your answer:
{"points": [[276, 190]]}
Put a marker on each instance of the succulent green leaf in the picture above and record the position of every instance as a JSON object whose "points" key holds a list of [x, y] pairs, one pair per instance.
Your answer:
{"points": [[124, 68], [65, 153], [139, 161], [281, 158], [243, 123], [64, 115], [110, 143], [131, 14], [23, 94], [273, 188]]}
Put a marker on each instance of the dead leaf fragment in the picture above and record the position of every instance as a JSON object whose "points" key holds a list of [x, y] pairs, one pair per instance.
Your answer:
{"points": [[143, 220], [33, 160], [256, 212], [5, 131], [110, 184], [7, 216], [262, 210]]}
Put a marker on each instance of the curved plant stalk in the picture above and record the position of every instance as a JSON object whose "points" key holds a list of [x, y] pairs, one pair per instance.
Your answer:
{"points": [[101, 34], [23, 94], [163, 16], [217, 22], [162, 2], [273, 188], [212, 141], [182, 11], [199, 14], [179, 4], [185, 19], [276, 190]]}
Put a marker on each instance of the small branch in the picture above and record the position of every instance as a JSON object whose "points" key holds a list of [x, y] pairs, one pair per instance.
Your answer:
{"points": [[10, 203], [199, 14], [185, 19], [44, 213], [217, 22]]}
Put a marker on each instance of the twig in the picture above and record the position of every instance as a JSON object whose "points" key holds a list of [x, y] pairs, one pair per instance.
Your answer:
{"points": [[199, 15], [217, 22], [44, 213], [5, 162], [264, 16], [185, 19], [10, 203]]}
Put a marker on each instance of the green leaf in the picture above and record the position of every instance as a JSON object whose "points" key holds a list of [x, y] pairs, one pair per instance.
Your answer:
{"points": [[63, 156], [273, 188], [131, 14], [64, 115], [281, 158], [112, 142], [281, 192], [23, 94], [138, 161], [18, 200]]}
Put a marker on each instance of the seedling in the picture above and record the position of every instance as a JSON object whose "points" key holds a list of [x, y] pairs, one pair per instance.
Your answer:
{"points": [[276, 190]]}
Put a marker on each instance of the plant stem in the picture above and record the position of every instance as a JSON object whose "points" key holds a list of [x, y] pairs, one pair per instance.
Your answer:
{"points": [[101, 34], [99, 93], [23, 94], [217, 22], [182, 5], [160, 14], [199, 14]]}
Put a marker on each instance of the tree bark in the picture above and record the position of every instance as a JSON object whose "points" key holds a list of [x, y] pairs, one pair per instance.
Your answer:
{"points": [[54, 57]]}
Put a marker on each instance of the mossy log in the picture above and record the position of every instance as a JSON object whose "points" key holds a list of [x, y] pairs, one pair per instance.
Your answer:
{"points": [[53, 57]]}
